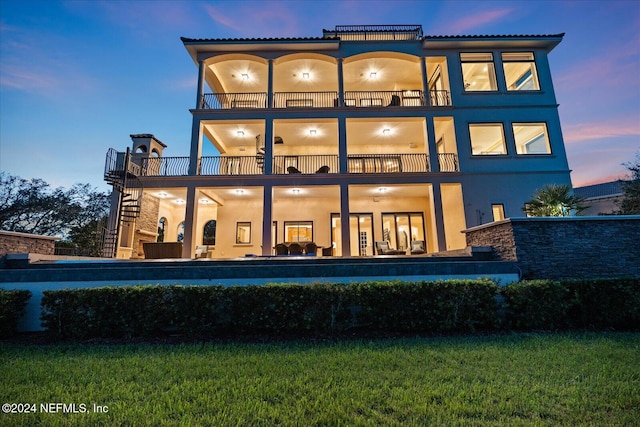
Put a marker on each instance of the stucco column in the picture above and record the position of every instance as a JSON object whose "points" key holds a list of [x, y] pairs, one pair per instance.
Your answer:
{"points": [[196, 147], [340, 84], [268, 145], [344, 219], [201, 70], [342, 145], [267, 219], [439, 216], [425, 81], [190, 216], [270, 84], [432, 149]]}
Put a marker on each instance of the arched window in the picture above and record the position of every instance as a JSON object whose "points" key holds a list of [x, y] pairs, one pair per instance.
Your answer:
{"points": [[209, 235], [162, 224], [181, 232], [140, 149]]}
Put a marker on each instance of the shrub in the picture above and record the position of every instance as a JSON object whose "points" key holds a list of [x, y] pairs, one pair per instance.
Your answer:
{"points": [[535, 305], [12, 308]]}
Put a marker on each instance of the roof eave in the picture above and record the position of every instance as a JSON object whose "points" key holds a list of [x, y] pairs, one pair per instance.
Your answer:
{"points": [[547, 42]]}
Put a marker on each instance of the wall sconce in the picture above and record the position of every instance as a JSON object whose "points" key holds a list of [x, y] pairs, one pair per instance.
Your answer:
{"points": [[245, 76], [412, 145], [305, 76], [386, 131]]}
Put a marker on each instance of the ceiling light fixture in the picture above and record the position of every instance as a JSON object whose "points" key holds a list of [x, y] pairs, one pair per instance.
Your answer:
{"points": [[295, 191], [205, 201], [240, 133], [305, 76], [386, 131], [383, 189], [239, 191], [245, 76], [312, 132], [179, 201], [373, 75]]}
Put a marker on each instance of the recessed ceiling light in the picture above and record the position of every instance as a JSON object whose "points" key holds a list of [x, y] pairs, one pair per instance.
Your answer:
{"points": [[206, 201], [305, 76], [295, 191], [162, 194], [312, 132], [179, 201], [382, 189], [386, 131], [245, 76], [373, 75], [239, 191]]}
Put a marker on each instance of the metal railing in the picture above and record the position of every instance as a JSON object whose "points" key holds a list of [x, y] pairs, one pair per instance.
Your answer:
{"points": [[230, 165], [322, 163], [448, 162], [165, 166], [225, 101], [439, 98], [305, 99], [375, 32], [327, 99], [388, 163]]}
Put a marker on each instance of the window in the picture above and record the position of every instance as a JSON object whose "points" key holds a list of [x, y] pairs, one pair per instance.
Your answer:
{"points": [[487, 139], [181, 231], [243, 233], [162, 223], [209, 234], [498, 212], [531, 138], [298, 231], [520, 71], [478, 72], [400, 229]]}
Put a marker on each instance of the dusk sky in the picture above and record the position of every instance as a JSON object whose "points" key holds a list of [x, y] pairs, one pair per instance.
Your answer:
{"points": [[78, 77]]}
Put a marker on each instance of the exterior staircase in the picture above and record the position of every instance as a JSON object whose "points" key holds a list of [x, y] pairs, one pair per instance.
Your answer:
{"points": [[123, 175]]}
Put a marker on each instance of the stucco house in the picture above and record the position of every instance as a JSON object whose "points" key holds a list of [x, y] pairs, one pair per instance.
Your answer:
{"points": [[363, 134]]}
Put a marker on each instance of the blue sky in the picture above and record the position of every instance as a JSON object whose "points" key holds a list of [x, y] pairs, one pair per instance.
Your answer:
{"points": [[78, 77]]}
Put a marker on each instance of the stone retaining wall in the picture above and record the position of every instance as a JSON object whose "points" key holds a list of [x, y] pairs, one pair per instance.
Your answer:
{"points": [[24, 243], [604, 246]]}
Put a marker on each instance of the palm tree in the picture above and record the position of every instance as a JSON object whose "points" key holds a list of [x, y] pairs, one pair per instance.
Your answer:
{"points": [[554, 200]]}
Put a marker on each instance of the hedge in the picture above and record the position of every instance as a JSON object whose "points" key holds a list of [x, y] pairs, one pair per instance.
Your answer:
{"points": [[12, 308], [323, 309], [275, 309]]}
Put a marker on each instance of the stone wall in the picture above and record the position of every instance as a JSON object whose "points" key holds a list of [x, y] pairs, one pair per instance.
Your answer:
{"points": [[565, 247], [146, 225], [24, 243]]}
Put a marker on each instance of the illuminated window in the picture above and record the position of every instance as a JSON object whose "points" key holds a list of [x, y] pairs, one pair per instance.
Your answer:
{"points": [[243, 233], [520, 71], [181, 231], [478, 72], [209, 233], [487, 139], [531, 138], [298, 231], [498, 212]]}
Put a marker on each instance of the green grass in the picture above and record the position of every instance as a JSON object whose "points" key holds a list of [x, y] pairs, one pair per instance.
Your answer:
{"points": [[529, 379]]}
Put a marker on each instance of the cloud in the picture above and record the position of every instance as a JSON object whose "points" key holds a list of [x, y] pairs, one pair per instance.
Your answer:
{"points": [[226, 21], [477, 20], [606, 129]]}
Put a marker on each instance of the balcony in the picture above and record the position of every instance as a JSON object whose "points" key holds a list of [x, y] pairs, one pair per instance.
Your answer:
{"points": [[328, 99], [293, 164]]}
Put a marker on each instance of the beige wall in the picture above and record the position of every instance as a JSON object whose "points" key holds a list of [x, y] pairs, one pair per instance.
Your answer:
{"points": [[234, 211], [317, 209], [453, 212]]}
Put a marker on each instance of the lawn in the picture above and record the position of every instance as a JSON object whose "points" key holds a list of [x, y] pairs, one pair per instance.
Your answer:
{"points": [[523, 379]]}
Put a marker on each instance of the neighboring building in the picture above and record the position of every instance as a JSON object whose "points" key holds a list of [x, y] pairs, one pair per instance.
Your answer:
{"points": [[365, 134], [601, 199]]}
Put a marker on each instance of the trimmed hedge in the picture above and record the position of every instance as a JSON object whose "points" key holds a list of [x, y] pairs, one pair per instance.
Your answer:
{"points": [[275, 309], [598, 304], [12, 308], [322, 309]]}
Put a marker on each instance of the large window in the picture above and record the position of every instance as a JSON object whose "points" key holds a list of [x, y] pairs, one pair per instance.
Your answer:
{"points": [[531, 138], [400, 229], [209, 234], [243, 233], [487, 139], [478, 72], [298, 231], [520, 71]]}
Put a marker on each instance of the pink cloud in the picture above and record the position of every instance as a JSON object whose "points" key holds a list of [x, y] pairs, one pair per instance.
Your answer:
{"points": [[577, 132], [226, 21], [477, 20]]}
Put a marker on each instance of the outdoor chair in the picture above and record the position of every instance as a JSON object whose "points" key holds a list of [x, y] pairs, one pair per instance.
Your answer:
{"points": [[281, 249], [311, 249], [327, 251], [395, 101], [417, 247], [293, 169], [383, 248], [323, 169], [295, 249]]}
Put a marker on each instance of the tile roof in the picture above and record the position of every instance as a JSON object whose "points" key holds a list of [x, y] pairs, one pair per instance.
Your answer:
{"points": [[605, 189], [258, 39], [491, 36]]}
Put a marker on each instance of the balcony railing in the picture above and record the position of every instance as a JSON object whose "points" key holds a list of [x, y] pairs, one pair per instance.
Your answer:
{"points": [[225, 101], [388, 163], [328, 99], [448, 162], [165, 166], [305, 99], [323, 163], [303, 164]]}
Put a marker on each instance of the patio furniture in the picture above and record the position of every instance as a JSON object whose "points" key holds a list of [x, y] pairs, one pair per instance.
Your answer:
{"points": [[293, 169], [395, 101], [323, 169], [383, 248], [327, 251], [160, 250], [295, 249], [311, 249], [282, 249], [417, 247]]}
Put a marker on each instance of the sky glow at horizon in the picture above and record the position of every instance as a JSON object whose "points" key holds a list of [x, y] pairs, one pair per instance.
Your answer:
{"points": [[78, 77]]}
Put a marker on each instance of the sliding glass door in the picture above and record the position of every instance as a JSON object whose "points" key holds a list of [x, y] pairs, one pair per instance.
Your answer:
{"points": [[400, 228], [360, 234]]}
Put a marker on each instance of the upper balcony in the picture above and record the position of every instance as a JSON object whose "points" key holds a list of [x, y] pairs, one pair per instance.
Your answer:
{"points": [[327, 99]]}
